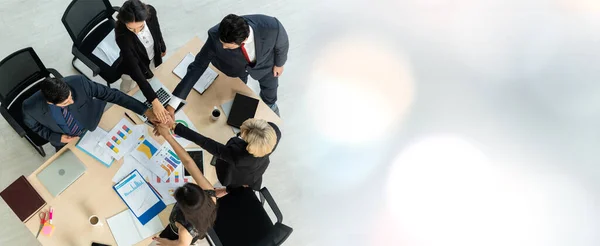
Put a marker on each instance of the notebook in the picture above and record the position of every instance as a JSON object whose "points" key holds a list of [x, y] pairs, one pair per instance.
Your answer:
{"points": [[127, 230], [243, 108], [22, 198]]}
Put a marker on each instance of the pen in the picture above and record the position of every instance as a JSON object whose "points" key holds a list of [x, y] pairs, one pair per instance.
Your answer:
{"points": [[154, 189], [130, 118], [50, 215]]}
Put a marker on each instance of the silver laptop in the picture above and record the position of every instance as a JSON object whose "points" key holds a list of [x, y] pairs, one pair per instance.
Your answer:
{"points": [[61, 173], [162, 93]]}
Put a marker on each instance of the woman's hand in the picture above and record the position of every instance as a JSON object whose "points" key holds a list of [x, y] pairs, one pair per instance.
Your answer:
{"points": [[160, 112], [221, 192], [164, 241], [162, 130]]}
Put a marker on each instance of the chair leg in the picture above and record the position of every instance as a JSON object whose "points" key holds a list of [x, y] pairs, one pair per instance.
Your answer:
{"points": [[73, 63], [39, 149]]}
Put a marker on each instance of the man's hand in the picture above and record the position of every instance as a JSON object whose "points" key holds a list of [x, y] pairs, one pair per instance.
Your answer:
{"points": [[277, 71], [171, 111], [66, 138], [159, 111], [151, 117]]}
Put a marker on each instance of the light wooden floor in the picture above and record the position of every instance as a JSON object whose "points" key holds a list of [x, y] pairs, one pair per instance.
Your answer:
{"points": [[406, 122]]}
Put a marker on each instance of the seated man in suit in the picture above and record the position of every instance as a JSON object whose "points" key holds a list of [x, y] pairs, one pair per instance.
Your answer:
{"points": [[65, 108], [238, 46]]}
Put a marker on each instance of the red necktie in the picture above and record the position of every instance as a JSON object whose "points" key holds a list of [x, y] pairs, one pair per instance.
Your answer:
{"points": [[245, 53]]}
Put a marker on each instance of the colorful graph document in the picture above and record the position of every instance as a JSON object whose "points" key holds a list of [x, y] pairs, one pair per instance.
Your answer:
{"points": [[182, 118], [139, 197], [166, 187], [123, 138], [161, 160], [127, 230], [89, 144]]}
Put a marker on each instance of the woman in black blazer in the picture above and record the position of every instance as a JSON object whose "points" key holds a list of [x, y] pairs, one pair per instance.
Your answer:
{"points": [[142, 45], [245, 158]]}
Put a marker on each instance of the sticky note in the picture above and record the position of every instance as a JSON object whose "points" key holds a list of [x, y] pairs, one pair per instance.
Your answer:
{"points": [[47, 229]]}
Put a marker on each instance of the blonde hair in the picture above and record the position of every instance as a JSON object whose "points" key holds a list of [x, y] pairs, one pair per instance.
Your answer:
{"points": [[259, 135]]}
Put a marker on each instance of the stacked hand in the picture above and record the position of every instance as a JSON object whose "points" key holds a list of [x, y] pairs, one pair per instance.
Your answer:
{"points": [[162, 129], [160, 112]]}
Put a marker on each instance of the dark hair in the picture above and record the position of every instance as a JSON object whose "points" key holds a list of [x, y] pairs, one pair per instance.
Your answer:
{"points": [[233, 29], [55, 90], [133, 11], [198, 207]]}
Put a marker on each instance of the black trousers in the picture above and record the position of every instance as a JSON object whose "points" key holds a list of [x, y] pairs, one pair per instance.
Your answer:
{"points": [[57, 147], [268, 87]]}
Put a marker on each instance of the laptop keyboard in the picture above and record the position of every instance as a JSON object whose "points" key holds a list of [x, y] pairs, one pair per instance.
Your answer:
{"points": [[162, 96]]}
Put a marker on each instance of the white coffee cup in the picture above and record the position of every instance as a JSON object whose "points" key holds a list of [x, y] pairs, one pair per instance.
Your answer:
{"points": [[95, 220], [214, 115]]}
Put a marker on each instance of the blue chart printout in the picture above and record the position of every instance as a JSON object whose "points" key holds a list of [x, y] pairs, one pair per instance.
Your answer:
{"points": [[137, 194]]}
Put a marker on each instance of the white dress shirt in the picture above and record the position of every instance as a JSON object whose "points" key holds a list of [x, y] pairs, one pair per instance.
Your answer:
{"points": [[146, 38], [250, 47]]}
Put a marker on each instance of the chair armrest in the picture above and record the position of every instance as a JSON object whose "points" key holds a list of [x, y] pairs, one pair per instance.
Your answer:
{"points": [[95, 69], [267, 195], [55, 73], [116, 8], [214, 238], [12, 122]]}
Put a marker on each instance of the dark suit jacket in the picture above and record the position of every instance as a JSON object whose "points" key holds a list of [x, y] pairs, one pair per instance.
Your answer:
{"points": [[89, 100], [271, 42], [134, 58], [235, 166]]}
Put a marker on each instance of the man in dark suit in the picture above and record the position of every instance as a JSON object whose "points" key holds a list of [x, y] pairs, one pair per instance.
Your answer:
{"points": [[238, 46], [65, 108]]}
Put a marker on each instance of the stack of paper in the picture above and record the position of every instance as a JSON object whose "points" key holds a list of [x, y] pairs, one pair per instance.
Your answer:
{"points": [[89, 144], [123, 138], [127, 230], [204, 81]]}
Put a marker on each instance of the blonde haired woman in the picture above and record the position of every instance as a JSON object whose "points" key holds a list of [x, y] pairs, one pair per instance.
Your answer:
{"points": [[244, 159]]}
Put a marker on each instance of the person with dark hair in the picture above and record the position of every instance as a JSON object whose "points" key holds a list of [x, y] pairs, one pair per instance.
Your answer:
{"points": [[196, 210], [139, 37], [240, 45], [65, 108]]}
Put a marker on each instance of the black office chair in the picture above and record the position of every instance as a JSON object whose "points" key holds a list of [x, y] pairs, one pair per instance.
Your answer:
{"points": [[88, 22], [242, 220], [20, 73]]}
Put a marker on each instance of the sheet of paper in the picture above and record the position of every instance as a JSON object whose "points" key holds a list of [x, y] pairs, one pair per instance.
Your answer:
{"points": [[161, 160], [108, 50], [123, 138], [181, 69], [205, 80], [226, 106], [127, 229], [182, 118], [130, 164], [167, 191], [136, 193], [89, 144]]}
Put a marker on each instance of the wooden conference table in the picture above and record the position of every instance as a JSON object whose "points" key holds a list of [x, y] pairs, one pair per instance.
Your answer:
{"points": [[92, 193]]}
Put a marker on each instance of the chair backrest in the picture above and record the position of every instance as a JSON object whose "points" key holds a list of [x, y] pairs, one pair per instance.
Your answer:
{"points": [[82, 16], [242, 219], [18, 71]]}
